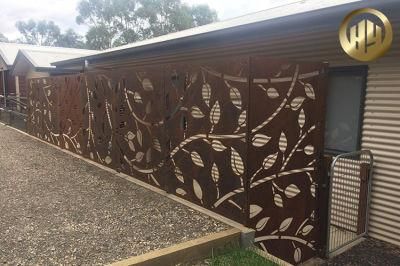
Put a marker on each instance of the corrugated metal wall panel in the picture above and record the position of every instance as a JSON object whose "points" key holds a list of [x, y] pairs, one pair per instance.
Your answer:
{"points": [[381, 129], [382, 135]]}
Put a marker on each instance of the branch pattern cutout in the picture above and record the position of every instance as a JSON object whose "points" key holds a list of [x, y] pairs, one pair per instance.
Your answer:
{"points": [[236, 136]]}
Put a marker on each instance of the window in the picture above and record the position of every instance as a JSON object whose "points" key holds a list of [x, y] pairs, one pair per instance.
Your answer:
{"points": [[345, 104]]}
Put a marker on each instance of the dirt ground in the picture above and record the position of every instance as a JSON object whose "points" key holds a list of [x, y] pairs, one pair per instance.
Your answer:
{"points": [[369, 252], [57, 209]]}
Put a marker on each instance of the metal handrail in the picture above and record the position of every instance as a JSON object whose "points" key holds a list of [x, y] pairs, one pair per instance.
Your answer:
{"points": [[24, 105], [13, 112], [331, 172]]}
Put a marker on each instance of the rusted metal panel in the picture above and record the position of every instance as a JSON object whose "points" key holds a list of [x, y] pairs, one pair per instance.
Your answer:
{"points": [[98, 120], [70, 113], [207, 133], [139, 132], [283, 155], [43, 110], [239, 136]]}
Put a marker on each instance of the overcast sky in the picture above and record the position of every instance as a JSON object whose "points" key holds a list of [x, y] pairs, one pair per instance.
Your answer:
{"points": [[63, 12]]}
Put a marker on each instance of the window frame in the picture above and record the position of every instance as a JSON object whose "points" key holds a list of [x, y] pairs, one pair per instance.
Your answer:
{"points": [[361, 70]]}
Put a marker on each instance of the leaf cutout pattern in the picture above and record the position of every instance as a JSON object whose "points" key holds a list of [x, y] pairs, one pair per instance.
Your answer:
{"points": [[193, 77], [197, 189], [137, 98], [108, 160], [272, 93], [148, 108], [297, 255], [147, 85], [236, 98], [181, 192], [196, 158], [236, 163], [285, 224], [130, 135], [139, 137], [312, 189], [215, 113], [139, 156], [302, 118], [260, 140], [242, 119], [283, 143], [215, 173], [307, 229], [254, 210], [278, 200], [297, 103], [262, 223], [131, 145], [217, 145], [206, 93], [179, 175], [156, 145], [292, 191], [269, 161], [309, 150], [309, 90], [196, 112]]}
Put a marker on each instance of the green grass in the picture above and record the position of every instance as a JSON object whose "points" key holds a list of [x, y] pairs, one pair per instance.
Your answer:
{"points": [[239, 257]]}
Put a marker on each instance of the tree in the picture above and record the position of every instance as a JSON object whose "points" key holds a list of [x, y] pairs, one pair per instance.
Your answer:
{"points": [[40, 33], [70, 39], [100, 15], [202, 15], [49, 34], [99, 38], [118, 22]]}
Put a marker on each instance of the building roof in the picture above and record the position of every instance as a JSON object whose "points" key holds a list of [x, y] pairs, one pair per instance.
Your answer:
{"points": [[42, 58], [40, 55], [299, 7]]}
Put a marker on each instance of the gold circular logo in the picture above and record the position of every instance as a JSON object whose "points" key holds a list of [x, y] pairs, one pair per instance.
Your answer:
{"points": [[366, 40]]}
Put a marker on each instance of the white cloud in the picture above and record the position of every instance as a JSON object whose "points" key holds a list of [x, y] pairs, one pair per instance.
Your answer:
{"points": [[63, 12]]}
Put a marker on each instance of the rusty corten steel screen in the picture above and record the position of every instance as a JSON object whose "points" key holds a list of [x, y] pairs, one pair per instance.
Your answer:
{"points": [[242, 137]]}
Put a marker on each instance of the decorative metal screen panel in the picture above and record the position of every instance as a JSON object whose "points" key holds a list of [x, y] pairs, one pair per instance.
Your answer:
{"points": [[207, 133], [282, 156], [70, 113], [239, 136], [43, 116]]}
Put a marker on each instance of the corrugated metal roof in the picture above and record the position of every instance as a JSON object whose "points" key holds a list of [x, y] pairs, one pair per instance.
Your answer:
{"points": [[294, 8], [9, 51], [42, 58]]}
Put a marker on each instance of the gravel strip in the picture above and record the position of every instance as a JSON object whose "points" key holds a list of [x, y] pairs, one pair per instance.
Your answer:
{"points": [[57, 209], [369, 252]]}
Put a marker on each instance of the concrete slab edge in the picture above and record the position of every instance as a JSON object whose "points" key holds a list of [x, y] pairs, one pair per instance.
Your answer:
{"points": [[193, 250], [247, 234]]}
